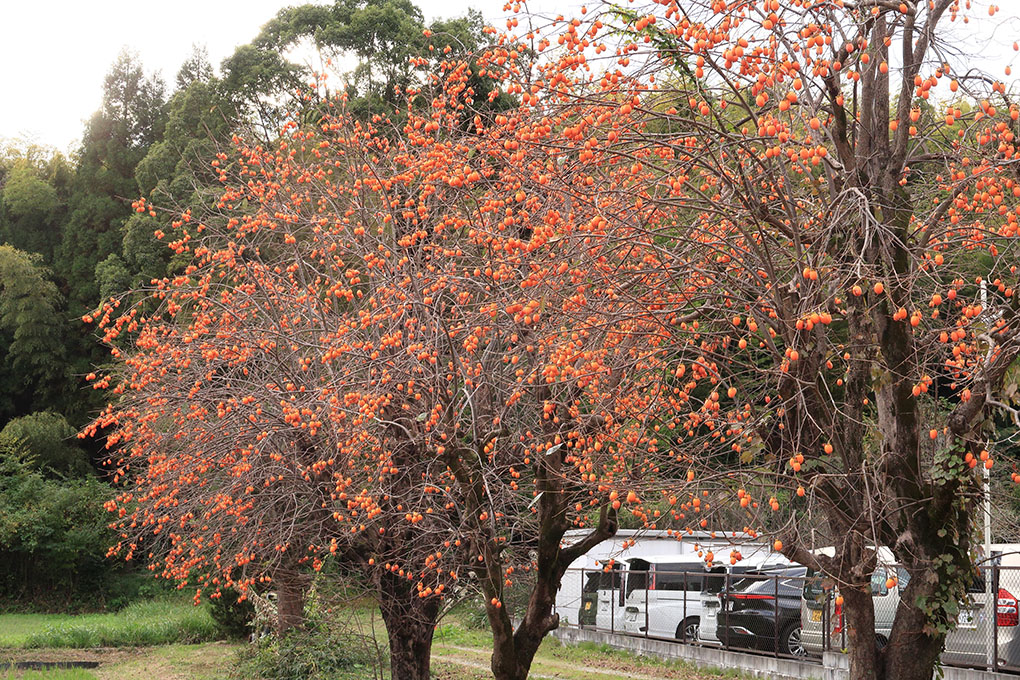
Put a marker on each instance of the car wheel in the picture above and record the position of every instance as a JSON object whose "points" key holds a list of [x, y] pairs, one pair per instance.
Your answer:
{"points": [[791, 642], [688, 630]]}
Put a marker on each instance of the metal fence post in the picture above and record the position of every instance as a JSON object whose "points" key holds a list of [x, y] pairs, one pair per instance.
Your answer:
{"points": [[826, 624], [580, 593], [726, 609], [775, 611], [683, 621], [612, 601], [842, 630], [994, 597], [648, 585]]}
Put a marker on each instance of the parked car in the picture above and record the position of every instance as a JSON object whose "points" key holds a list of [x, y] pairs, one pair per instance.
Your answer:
{"points": [[969, 642], [762, 612], [717, 582], [599, 594], [816, 617], [662, 597]]}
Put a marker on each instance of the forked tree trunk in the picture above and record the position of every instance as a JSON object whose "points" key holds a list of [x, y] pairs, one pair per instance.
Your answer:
{"points": [[410, 623], [910, 653], [513, 651]]}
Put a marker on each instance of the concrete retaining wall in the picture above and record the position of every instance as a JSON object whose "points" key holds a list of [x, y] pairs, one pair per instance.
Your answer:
{"points": [[832, 665]]}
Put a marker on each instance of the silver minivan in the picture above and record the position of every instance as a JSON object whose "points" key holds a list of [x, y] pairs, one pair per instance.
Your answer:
{"points": [[815, 617]]}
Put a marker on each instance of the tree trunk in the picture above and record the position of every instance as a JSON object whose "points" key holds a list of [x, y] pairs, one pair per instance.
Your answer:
{"points": [[912, 653], [290, 600], [410, 623], [859, 617], [514, 651]]}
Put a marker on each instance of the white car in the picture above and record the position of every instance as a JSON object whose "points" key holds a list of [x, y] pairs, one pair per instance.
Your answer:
{"points": [[662, 597]]}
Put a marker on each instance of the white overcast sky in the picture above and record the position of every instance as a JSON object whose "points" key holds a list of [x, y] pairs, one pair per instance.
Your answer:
{"points": [[55, 53]]}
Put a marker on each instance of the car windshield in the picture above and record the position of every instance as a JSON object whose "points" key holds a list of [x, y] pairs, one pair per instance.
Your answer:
{"points": [[814, 589], [789, 582], [678, 576]]}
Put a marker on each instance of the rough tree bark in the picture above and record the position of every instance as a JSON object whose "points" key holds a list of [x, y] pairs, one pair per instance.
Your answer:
{"points": [[410, 623], [291, 587]]}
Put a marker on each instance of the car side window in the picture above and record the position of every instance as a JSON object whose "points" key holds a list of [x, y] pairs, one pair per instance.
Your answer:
{"points": [[878, 580], [902, 578]]}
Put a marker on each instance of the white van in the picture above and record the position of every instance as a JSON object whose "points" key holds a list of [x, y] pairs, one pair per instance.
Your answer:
{"points": [[601, 602], [662, 597], [716, 582]]}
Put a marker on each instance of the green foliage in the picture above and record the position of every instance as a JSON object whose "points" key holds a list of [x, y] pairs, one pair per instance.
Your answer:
{"points": [[53, 535], [312, 653], [156, 622], [116, 138], [34, 371], [233, 616], [49, 442], [177, 170], [195, 68], [26, 194], [112, 276]]}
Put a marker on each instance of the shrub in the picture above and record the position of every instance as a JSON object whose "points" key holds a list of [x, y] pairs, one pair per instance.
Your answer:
{"points": [[53, 536], [50, 442], [233, 616], [314, 653]]}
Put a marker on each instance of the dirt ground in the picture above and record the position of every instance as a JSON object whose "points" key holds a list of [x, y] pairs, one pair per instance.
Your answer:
{"points": [[170, 662]]}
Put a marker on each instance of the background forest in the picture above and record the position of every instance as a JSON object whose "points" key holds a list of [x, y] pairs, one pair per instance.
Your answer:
{"points": [[71, 240]]}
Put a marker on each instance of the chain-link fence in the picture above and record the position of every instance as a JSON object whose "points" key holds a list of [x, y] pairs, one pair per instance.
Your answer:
{"points": [[783, 611]]}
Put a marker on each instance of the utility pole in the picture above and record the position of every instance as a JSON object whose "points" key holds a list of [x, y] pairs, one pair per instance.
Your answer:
{"points": [[991, 599]]}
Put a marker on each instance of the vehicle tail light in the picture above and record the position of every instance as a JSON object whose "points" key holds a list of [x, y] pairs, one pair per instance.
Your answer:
{"points": [[1006, 613], [751, 596]]}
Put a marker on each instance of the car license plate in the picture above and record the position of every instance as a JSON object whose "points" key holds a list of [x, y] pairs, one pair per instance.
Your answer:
{"points": [[965, 619], [816, 615]]}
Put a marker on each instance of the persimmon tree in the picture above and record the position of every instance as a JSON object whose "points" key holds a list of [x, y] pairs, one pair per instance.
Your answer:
{"points": [[834, 200], [731, 245], [421, 350]]}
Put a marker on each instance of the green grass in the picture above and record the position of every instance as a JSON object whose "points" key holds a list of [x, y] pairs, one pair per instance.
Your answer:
{"points": [[57, 674], [15, 629], [584, 661], [209, 661], [452, 632], [156, 622]]}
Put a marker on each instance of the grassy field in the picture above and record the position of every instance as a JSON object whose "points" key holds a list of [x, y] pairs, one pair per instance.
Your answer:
{"points": [[141, 624], [70, 674], [207, 661]]}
